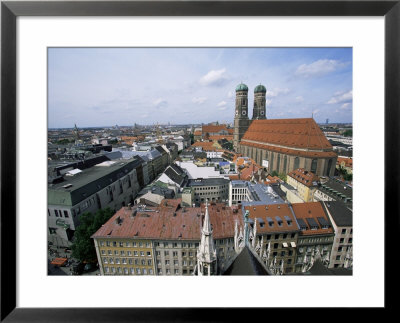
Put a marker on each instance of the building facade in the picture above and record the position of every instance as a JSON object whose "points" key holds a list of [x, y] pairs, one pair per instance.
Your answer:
{"points": [[110, 184], [282, 145]]}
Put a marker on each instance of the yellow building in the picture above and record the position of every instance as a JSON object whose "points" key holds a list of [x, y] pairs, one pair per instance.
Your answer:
{"points": [[304, 183]]}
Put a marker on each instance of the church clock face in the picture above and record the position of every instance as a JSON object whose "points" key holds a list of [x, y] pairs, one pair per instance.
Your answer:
{"points": [[244, 113], [262, 112]]}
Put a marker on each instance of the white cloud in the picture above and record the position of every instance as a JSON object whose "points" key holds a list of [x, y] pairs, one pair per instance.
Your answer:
{"points": [[221, 104], [320, 67], [277, 91], [345, 105], [340, 97], [200, 100], [214, 78], [230, 94], [299, 99], [160, 103]]}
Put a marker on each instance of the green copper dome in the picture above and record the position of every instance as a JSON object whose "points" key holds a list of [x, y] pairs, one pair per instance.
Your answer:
{"points": [[242, 87], [260, 88]]}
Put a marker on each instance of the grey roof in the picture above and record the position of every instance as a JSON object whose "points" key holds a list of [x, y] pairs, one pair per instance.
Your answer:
{"points": [[150, 154], [245, 264], [175, 176], [260, 194], [88, 182], [207, 181], [336, 189], [341, 214], [318, 269]]}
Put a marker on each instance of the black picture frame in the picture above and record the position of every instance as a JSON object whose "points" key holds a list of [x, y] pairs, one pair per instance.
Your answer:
{"points": [[10, 10]]}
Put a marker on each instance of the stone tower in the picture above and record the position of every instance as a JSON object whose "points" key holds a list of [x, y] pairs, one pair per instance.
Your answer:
{"points": [[207, 253], [259, 102], [241, 120]]}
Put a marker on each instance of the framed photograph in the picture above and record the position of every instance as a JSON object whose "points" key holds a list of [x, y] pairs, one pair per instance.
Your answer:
{"points": [[32, 35]]}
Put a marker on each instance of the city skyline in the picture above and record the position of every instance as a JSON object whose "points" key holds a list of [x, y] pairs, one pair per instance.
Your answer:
{"points": [[107, 86]]}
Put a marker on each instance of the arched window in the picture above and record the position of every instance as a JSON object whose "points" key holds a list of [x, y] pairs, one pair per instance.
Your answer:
{"points": [[278, 163], [328, 170], [296, 162], [284, 164], [271, 164], [314, 165]]}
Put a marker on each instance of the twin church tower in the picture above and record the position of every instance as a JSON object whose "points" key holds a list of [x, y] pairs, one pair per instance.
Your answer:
{"points": [[241, 120]]}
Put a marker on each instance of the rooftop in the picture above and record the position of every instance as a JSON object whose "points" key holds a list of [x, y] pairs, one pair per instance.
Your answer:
{"points": [[291, 136], [312, 218], [78, 187], [170, 221]]}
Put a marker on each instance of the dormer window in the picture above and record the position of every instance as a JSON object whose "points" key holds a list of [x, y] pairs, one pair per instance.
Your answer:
{"points": [[270, 222]]}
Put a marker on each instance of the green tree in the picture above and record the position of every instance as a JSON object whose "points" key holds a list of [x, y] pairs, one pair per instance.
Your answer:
{"points": [[274, 173], [83, 246], [348, 133]]}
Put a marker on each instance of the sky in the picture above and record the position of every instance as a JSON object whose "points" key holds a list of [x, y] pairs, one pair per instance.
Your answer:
{"points": [[93, 87]]}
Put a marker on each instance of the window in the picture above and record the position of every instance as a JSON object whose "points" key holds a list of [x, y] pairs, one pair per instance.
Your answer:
{"points": [[128, 244], [337, 257], [175, 253], [105, 260], [129, 253], [134, 244], [282, 253], [109, 252], [66, 214], [276, 236], [148, 254], [176, 271], [350, 240], [107, 269], [117, 261], [138, 271], [276, 245], [114, 243], [124, 261], [140, 244], [149, 262], [166, 253], [183, 254], [143, 262], [103, 252], [56, 213], [343, 231], [185, 263], [190, 254], [126, 271], [168, 272], [108, 243], [111, 260], [142, 253], [341, 240], [340, 249], [116, 252], [175, 245], [176, 262], [121, 244], [148, 244], [130, 261], [135, 253], [167, 262], [136, 262], [122, 253], [159, 271]]}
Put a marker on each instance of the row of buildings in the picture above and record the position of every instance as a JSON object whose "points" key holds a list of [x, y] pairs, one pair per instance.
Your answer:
{"points": [[173, 239]]}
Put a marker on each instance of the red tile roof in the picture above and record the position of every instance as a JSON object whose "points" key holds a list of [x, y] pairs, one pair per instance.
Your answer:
{"points": [[303, 176], [213, 129], [288, 136], [348, 162], [311, 210], [170, 222], [272, 211]]}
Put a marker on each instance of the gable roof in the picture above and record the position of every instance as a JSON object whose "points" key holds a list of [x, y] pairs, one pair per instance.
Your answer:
{"points": [[245, 264], [303, 176], [292, 136]]}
